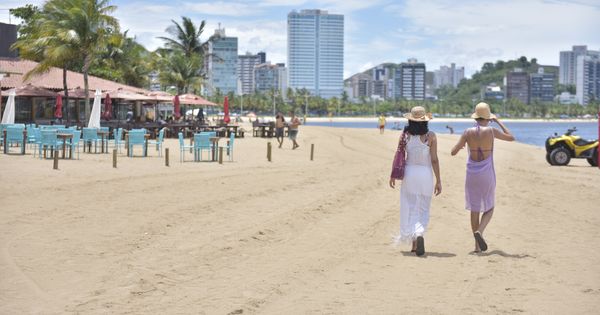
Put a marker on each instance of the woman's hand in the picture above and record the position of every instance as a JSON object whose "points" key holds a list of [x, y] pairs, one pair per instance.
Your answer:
{"points": [[438, 188], [392, 182]]}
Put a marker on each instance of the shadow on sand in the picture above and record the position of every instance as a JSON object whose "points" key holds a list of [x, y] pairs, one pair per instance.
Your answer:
{"points": [[429, 254], [502, 253]]}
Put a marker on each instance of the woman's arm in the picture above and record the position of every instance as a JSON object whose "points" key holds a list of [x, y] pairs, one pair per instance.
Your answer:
{"points": [[460, 144], [435, 163], [504, 134]]}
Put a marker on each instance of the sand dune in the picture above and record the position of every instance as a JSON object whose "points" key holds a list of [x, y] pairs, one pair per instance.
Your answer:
{"points": [[291, 236]]}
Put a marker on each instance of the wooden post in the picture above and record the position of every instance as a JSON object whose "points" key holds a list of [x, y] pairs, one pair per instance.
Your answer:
{"points": [[312, 151], [167, 157], [220, 155], [269, 151], [45, 148], [114, 158], [55, 158]]}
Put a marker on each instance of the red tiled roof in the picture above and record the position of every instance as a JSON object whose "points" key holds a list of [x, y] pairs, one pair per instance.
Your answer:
{"points": [[53, 79], [191, 99]]}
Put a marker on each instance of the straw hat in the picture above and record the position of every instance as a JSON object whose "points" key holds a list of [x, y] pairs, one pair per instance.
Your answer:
{"points": [[482, 110], [418, 113]]}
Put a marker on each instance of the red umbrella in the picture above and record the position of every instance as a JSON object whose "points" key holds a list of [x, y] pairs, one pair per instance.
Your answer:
{"points": [[226, 119], [58, 111], [107, 107], [177, 107]]}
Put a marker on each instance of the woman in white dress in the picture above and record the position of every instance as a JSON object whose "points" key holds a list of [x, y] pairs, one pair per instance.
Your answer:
{"points": [[417, 184]]}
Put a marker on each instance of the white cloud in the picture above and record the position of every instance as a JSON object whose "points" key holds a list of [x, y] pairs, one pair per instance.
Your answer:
{"points": [[222, 8], [473, 32]]}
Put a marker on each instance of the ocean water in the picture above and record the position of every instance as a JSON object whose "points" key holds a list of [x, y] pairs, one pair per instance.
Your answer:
{"points": [[534, 133]]}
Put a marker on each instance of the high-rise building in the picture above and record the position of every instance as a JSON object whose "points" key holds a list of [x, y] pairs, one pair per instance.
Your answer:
{"points": [[409, 81], [568, 63], [315, 52], [282, 72], [265, 77], [517, 85], [263, 57], [8, 36], [245, 70], [221, 63], [450, 76], [542, 86], [588, 79]]}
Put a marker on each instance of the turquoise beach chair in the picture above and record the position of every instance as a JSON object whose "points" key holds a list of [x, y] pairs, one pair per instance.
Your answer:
{"points": [[90, 135], [14, 134], [48, 140], [229, 146], [136, 137], [201, 143], [182, 147], [158, 142]]}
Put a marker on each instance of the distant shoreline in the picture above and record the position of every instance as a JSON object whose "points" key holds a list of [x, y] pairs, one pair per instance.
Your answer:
{"points": [[443, 119]]}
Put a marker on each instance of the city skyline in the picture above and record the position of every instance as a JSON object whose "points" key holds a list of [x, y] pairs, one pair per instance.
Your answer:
{"points": [[436, 32]]}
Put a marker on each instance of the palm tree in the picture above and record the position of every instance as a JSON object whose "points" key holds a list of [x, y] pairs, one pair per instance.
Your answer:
{"points": [[186, 37], [179, 70], [86, 26], [47, 46]]}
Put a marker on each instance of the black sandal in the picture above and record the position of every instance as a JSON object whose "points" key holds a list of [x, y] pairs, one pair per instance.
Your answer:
{"points": [[420, 246], [480, 241]]}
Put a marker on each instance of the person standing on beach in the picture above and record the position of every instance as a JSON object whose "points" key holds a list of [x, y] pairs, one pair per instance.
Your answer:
{"points": [[480, 183], [417, 183], [279, 126], [293, 129], [381, 124]]}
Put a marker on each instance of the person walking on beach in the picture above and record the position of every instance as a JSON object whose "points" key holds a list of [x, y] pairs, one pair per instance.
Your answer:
{"points": [[417, 188], [480, 183], [381, 124], [293, 129], [279, 126]]}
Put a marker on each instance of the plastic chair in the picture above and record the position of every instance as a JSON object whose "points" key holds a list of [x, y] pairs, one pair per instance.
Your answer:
{"points": [[14, 134], [33, 135], [117, 138], [136, 137], [182, 147], [201, 143], [48, 140], [158, 142], [74, 143], [90, 135], [229, 146]]}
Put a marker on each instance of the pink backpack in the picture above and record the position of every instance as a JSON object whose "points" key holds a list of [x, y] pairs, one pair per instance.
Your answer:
{"points": [[399, 159]]}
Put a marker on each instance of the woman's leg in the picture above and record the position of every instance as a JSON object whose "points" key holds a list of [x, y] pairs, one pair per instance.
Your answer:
{"points": [[485, 219], [475, 226]]}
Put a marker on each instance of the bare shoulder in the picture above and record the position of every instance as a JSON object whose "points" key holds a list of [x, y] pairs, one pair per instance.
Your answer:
{"points": [[431, 135]]}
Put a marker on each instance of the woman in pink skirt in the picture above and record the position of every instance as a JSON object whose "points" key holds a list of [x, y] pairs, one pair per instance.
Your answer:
{"points": [[480, 183]]}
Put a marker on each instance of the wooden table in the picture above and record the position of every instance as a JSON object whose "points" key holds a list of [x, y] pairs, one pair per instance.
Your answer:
{"points": [[146, 137], [64, 137], [103, 135], [263, 130], [24, 141]]}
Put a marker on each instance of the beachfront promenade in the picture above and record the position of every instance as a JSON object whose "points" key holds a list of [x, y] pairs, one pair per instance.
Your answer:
{"points": [[292, 236]]}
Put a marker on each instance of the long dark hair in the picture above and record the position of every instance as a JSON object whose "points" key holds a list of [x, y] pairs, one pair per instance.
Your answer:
{"points": [[417, 128]]}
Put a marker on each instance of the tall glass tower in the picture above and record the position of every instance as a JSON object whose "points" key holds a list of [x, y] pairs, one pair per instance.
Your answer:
{"points": [[315, 52], [221, 64]]}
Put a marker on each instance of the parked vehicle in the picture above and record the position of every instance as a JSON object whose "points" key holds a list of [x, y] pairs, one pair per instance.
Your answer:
{"points": [[561, 149]]}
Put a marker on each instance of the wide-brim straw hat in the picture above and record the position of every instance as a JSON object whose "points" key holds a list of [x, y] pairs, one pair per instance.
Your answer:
{"points": [[482, 110], [418, 113]]}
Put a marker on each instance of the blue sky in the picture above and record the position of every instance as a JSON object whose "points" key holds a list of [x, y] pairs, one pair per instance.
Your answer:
{"points": [[438, 32]]}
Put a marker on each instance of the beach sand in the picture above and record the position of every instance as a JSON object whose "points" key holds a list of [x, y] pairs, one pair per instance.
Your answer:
{"points": [[292, 236]]}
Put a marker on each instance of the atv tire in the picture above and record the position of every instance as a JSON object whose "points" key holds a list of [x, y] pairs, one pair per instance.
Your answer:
{"points": [[548, 159], [594, 160], [560, 156]]}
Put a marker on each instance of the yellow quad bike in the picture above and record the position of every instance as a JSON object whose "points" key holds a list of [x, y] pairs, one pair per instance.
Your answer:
{"points": [[560, 149]]}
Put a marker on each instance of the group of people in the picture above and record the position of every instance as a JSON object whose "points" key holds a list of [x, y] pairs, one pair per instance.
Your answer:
{"points": [[421, 164], [280, 125]]}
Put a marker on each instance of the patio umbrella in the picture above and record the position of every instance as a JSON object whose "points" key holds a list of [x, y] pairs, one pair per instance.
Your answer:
{"points": [[58, 110], [95, 116], [177, 107], [9, 111], [226, 119], [107, 107]]}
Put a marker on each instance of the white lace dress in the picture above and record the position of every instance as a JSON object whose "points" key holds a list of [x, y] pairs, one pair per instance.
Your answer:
{"points": [[416, 191]]}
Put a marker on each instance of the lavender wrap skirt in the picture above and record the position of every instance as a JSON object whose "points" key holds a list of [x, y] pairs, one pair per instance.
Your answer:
{"points": [[480, 185]]}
